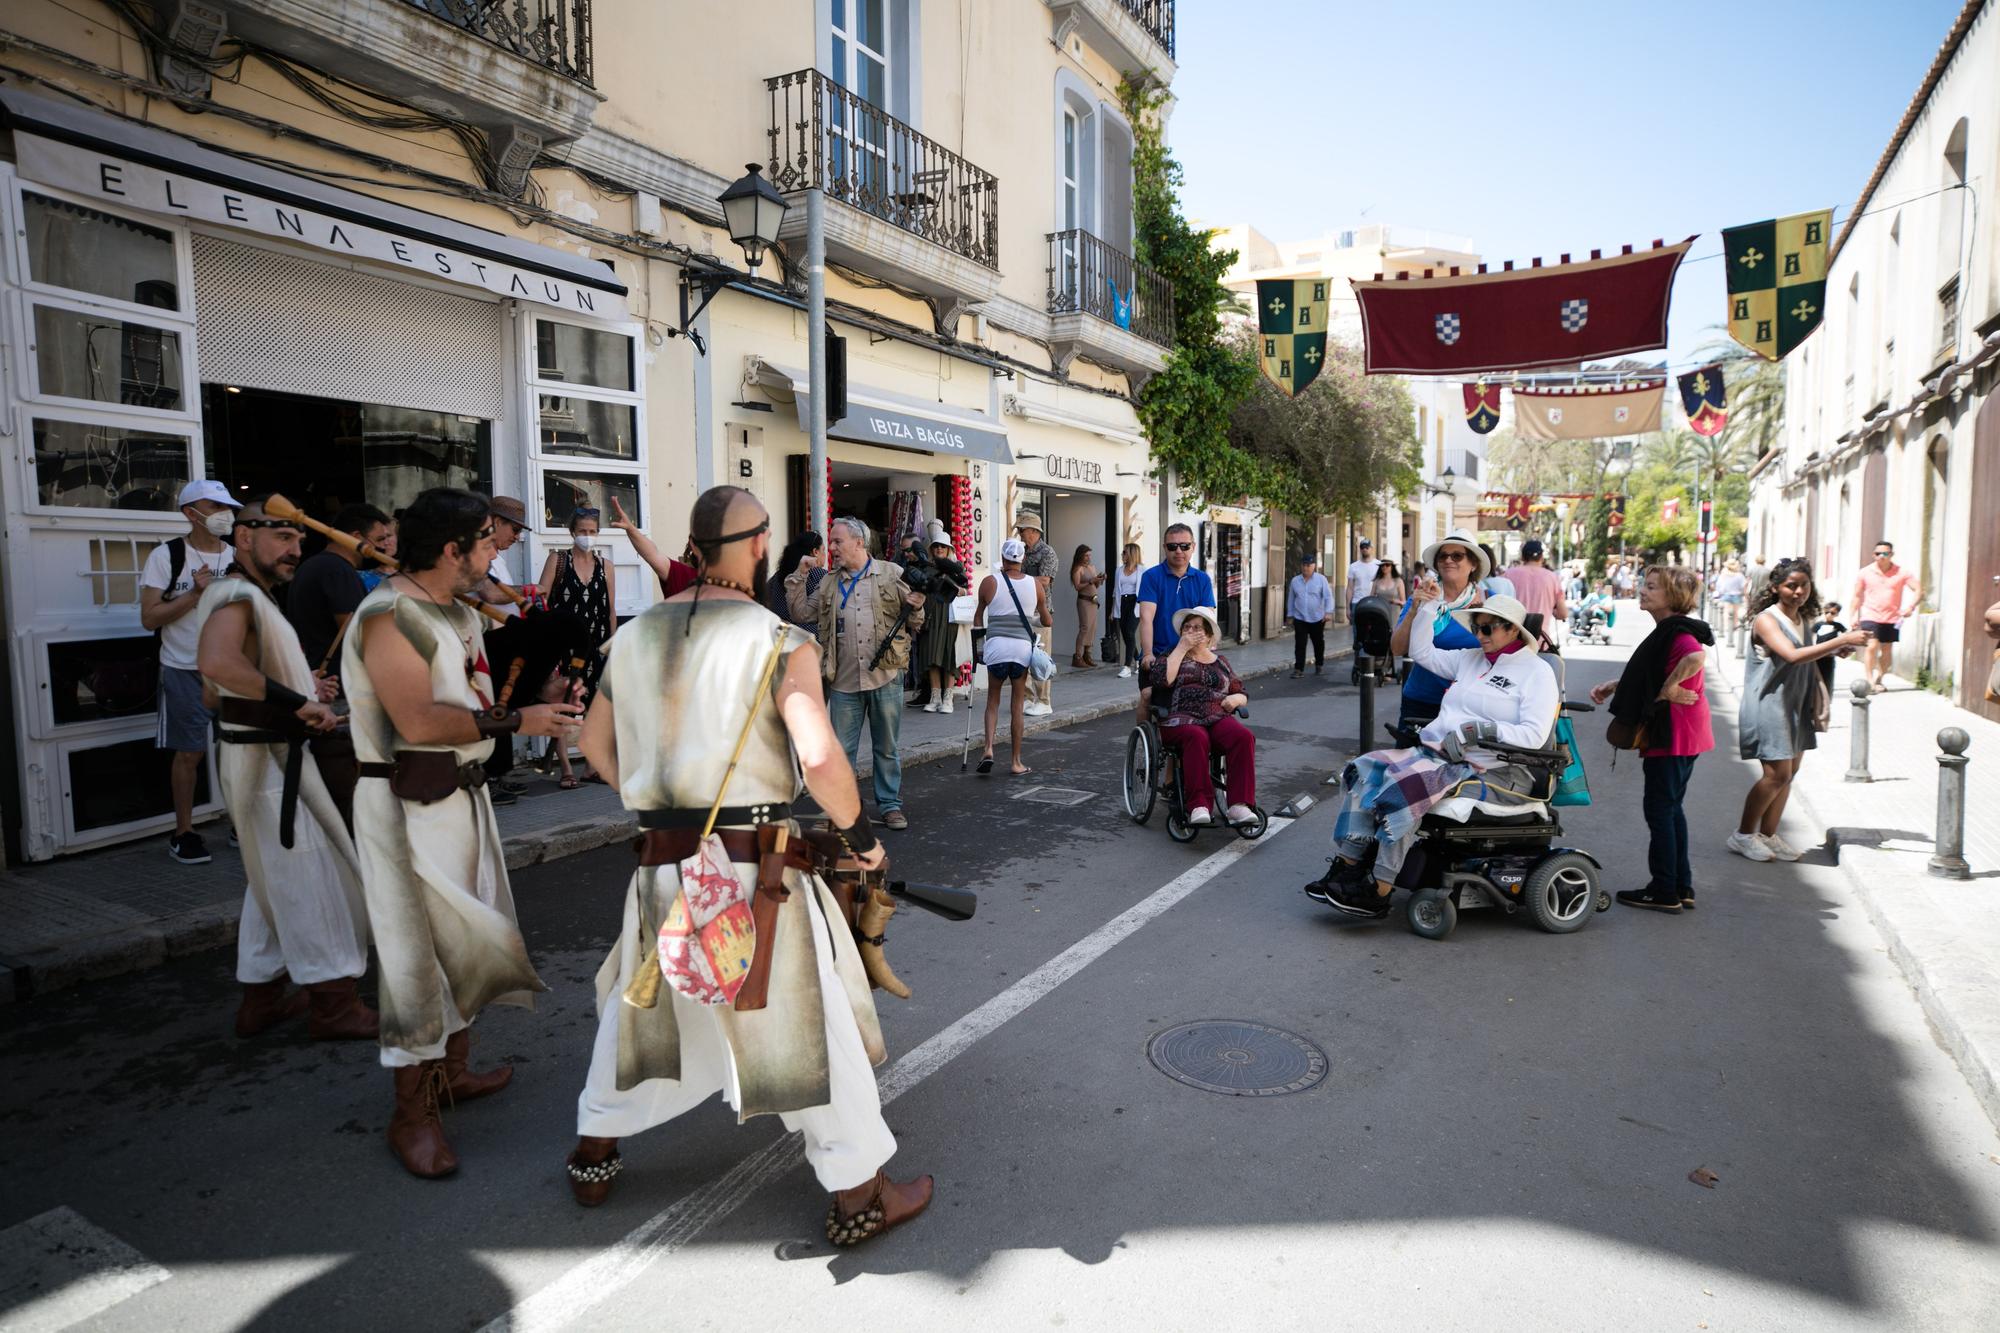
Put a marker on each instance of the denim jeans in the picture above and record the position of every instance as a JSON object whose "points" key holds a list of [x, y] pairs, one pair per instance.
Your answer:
{"points": [[883, 707], [1667, 856]]}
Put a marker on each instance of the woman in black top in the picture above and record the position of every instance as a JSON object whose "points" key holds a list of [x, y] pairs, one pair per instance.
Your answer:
{"points": [[576, 581]]}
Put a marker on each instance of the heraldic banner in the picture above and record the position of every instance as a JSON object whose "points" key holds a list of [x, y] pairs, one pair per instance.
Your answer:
{"points": [[1704, 400], [1291, 328], [1588, 413], [1777, 281], [1482, 407], [1519, 319]]}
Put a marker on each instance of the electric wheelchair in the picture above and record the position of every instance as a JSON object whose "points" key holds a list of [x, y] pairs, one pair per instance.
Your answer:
{"points": [[1471, 853], [1152, 770]]}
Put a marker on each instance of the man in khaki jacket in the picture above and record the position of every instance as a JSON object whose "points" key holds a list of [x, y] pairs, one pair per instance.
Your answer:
{"points": [[856, 609]]}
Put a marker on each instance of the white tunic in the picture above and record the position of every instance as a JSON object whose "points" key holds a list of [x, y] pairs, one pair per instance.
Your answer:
{"points": [[302, 911], [435, 875]]}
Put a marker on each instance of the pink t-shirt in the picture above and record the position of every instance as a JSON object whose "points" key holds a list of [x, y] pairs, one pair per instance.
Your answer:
{"points": [[1882, 594], [1538, 587], [1689, 729]]}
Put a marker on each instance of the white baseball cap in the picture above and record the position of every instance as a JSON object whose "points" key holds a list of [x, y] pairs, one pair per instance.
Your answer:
{"points": [[1013, 549], [205, 489]]}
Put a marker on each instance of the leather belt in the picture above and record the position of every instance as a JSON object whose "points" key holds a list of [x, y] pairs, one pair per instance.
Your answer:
{"points": [[259, 722], [771, 812], [659, 847]]}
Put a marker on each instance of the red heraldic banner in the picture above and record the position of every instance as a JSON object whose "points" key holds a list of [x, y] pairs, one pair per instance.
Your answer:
{"points": [[1519, 319]]}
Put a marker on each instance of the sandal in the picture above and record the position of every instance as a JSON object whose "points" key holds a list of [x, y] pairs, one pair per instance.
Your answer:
{"points": [[591, 1183], [890, 1204], [985, 765], [568, 783]]}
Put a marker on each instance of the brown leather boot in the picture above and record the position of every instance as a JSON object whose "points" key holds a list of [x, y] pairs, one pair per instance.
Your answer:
{"points": [[593, 1165], [463, 1084], [876, 1206], [338, 1013], [265, 1005], [416, 1130]]}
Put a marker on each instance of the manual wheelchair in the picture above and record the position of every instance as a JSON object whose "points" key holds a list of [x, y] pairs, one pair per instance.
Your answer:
{"points": [[1471, 853], [1152, 770]]}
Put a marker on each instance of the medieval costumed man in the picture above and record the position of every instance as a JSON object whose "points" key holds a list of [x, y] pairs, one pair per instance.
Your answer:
{"points": [[688, 1005], [425, 716], [302, 913]]}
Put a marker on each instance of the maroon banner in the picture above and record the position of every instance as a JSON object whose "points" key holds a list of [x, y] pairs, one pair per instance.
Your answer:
{"points": [[1482, 407], [1522, 319]]}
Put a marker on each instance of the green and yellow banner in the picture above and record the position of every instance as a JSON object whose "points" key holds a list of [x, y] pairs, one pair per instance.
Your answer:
{"points": [[1777, 281], [1291, 331]]}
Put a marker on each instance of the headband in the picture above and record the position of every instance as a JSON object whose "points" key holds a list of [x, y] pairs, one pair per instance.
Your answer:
{"points": [[729, 537], [270, 523]]}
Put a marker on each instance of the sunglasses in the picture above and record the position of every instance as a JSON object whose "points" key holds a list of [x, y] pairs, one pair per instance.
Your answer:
{"points": [[1450, 556], [1485, 627], [585, 511], [1180, 546]]}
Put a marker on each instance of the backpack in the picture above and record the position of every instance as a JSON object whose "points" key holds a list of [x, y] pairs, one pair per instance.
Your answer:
{"points": [[177, 551]]}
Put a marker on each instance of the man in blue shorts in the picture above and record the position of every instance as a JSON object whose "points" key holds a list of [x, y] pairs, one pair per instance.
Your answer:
{"points": [[1164, 589]]}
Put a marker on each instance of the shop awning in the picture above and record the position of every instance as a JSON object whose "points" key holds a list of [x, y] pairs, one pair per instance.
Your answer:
{"points": [[128, 165], [876, 418]]}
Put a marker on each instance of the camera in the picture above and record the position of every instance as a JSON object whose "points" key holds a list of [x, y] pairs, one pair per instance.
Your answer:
{"points": [[924, 574]]}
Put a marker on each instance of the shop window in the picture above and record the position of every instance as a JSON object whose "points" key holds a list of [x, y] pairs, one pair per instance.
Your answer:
{"points": [[91, 680], [563, 493], [85, 250], [91, 356], [88, 465], [115, 566], [577, 355], [588, 428], [110, 785]]}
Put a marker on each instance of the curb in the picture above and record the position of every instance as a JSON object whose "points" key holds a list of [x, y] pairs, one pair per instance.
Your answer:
{"points": [[136, 948]]}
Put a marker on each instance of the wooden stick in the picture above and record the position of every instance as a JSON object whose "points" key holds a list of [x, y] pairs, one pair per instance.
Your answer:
{"points": [[278, 507], [513, 676]]}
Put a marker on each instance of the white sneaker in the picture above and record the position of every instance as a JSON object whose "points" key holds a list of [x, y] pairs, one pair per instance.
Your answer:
{"points": [[1778, 847], [1124, 673], [945, 705], [931, 707], [1200, 815], [1037, 710], [1750, 846], [1240, 814]]}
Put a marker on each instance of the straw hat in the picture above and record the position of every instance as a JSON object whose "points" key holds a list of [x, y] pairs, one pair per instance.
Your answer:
{"points": [[1207, 613], [1500, 608], [1460, 537], [1028, 518]]}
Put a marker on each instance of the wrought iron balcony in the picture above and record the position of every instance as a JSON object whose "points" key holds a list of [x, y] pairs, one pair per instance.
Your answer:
{"points": [[554, 34], [824, 137], [1087, 276], [1157, 18]]}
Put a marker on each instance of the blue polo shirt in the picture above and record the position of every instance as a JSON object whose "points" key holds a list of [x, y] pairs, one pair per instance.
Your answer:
{"points": [[1427, 686], [1169, 594]]}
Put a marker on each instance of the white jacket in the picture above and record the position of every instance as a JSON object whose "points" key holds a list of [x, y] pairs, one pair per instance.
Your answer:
{"points": [[1518, 693]]}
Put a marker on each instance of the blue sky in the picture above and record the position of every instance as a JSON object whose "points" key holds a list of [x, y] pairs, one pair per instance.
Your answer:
{"points": [[1545, 127]]}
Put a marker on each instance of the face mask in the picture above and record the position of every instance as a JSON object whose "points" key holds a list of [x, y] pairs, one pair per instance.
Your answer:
{"points": [[221, 523], [583, 540]]}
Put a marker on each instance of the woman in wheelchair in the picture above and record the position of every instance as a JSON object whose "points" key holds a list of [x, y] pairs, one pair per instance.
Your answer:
{"points": [[1501, 693], [1202, 716]]}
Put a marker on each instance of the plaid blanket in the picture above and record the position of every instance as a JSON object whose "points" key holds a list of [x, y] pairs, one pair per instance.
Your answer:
{"points": [[1386, 794]]}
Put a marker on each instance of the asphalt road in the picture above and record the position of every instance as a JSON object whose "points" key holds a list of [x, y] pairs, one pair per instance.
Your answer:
{"points": [[1504, 1134]]}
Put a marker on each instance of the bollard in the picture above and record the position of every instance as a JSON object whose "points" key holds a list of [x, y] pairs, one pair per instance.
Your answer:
{"points": [[1367, 722], [1857, 754], [1949, 862]]}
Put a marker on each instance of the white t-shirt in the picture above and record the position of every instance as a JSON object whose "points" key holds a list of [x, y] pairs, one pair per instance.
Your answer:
{"points": [[181, 639], [1361, 578], [1126, 585]]}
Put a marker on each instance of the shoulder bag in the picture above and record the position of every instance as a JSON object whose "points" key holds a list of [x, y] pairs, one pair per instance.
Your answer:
{"points": [[1040, 665]]}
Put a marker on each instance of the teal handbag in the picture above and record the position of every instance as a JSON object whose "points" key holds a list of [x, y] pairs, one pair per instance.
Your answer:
{"points": [[1572, 788]]}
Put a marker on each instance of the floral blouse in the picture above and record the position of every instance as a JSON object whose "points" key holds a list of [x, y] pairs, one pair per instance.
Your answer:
{"points": [[1199, 688]]}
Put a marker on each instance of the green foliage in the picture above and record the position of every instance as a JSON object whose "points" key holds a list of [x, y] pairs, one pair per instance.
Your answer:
{"points": [[1186, 408], [1335, 448]]}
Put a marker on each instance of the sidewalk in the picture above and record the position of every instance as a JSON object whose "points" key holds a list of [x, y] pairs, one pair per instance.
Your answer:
{"points": [[1944, 934], [130, 907]]}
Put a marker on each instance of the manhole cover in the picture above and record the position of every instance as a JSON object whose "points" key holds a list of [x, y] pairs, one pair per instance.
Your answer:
{"points": [[1236, 1058], [1053, 795]]}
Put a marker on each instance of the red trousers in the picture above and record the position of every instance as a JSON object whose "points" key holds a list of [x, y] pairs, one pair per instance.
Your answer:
{"points": [[1193, 741]]}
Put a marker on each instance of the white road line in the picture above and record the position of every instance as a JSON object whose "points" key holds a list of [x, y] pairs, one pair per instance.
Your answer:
{"points": [[609, 1271], [57, 1270]]}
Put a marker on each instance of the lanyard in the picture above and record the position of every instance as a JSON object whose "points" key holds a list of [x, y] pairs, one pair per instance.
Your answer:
{"points": [[847, 586]]}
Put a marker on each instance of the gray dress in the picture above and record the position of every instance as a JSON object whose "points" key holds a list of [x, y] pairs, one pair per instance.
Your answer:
{"points": [[1776, 719]]}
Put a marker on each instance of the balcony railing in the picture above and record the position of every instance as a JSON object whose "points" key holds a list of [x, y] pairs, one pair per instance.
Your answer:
{"points": [[1089, 276], [1157, 18], [824, 137], [554, 34]]}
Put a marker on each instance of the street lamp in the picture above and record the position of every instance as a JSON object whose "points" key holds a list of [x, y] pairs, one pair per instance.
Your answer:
{"points": [[753, 210], [1448, 477]]}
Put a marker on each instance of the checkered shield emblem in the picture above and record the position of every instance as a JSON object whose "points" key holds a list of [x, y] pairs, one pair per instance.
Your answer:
{"points": [[1447, 329], [1575, 314]]}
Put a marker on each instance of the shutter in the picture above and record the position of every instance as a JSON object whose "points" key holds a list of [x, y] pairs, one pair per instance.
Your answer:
{"points": [[269, 320]]}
